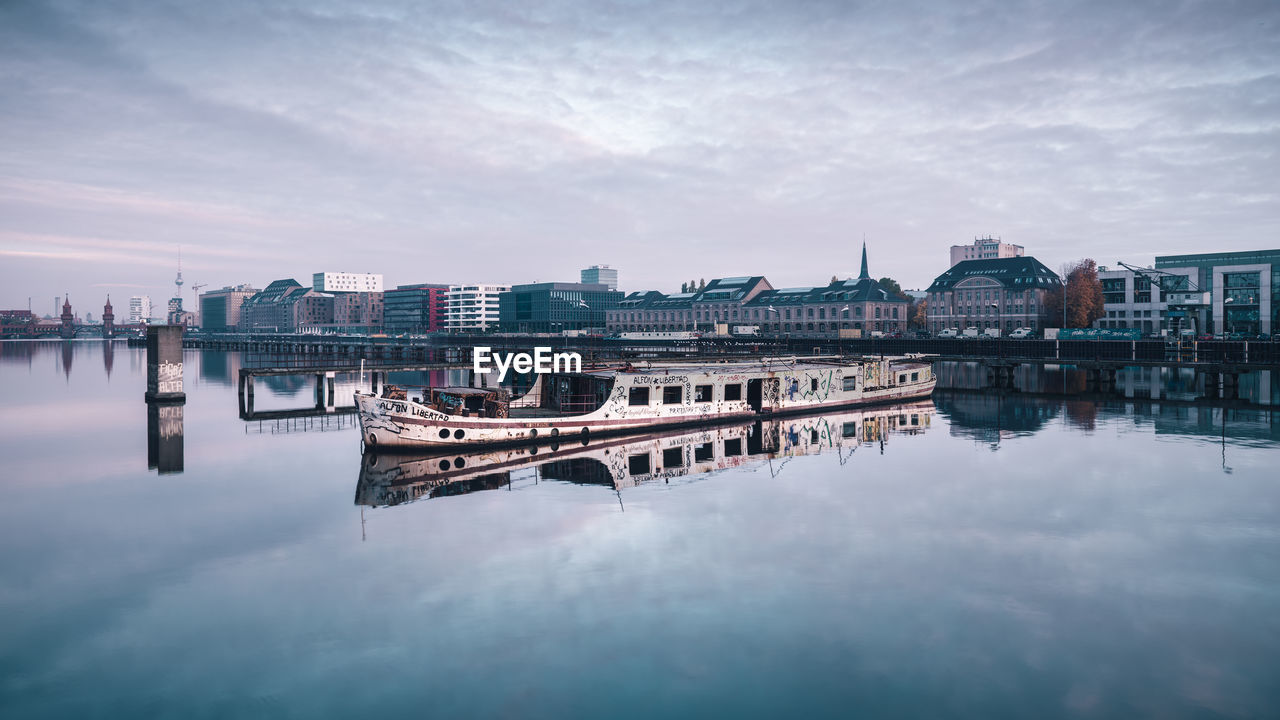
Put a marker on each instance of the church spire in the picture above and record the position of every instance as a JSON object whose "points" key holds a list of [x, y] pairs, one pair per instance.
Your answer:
{"points": [[864, 274]]}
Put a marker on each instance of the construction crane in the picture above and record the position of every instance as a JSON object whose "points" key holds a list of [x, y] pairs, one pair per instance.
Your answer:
{"points": [[195, 288]]}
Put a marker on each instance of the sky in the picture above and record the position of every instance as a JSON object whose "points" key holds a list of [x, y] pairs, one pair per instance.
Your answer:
{"points": [[510, 142]]}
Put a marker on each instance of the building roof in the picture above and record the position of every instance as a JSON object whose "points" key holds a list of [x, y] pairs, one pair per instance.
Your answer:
{"points": [[860, 291], [1017, 273], [728, 289]]}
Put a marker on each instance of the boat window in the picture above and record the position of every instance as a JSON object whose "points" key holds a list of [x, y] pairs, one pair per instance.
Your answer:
{"points": [[851, 383], [733, 448], [672, 458], [733, 392], [813, 385], [813, 436], [915, 376], [702, 393], [849, 430], [638, 464], [703, 452], [902, 378], [638, 396], [672, 395]]}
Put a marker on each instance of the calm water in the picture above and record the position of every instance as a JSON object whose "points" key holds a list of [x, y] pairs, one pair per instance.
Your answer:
{"points": [[982, 556]]}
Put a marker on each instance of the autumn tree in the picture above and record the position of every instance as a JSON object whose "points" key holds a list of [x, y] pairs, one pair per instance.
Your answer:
{"points": [[1083, 293], [919, 314]]}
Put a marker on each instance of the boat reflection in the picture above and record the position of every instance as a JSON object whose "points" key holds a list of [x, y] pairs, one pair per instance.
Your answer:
{"points": [[621, 462]]}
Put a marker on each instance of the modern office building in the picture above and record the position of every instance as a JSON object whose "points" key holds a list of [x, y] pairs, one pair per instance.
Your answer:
{"points": [[220, 309], [600, 275], [139, 309], [343, 282], [472, 308], [1004, 293], [984, 248], [554, 307], [415, 308], [1214, 293]]}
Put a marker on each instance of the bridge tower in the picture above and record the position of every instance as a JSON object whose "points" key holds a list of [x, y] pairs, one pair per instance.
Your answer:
{"points": [[68, 319], [108, 320]]}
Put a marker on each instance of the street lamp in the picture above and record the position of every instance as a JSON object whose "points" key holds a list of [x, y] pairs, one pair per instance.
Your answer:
{"points": [[996, 305]]}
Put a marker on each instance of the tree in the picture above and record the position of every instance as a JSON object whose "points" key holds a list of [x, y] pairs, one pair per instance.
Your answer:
{"points": [[1084, 296], [919, 314], [684, 287], [834, 280], [702, 284], [893, 287]]}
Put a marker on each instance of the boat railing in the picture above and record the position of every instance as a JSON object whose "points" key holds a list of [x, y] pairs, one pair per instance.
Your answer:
{"points": [[577, 403]]}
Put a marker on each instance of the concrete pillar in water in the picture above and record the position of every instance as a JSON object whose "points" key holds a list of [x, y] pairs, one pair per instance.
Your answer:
{"points": [[164, 364]]}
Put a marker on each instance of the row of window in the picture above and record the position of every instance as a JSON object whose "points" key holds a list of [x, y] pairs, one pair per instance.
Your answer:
{"points": [[749, 314]]}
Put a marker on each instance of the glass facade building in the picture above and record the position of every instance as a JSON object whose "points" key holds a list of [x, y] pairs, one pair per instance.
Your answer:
{"points": [[555, 307]]}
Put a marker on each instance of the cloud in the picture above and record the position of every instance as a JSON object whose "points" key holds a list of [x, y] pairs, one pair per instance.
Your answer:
{"points": [[490, 141]]}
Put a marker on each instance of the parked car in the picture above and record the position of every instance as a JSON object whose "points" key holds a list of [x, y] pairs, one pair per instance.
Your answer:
{"points": [[948, 333], [877, 333], [1021, 333]]}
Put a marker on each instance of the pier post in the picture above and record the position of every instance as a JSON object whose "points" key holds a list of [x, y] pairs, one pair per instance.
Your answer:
{"points": [[164, 364], [331, 381], [320, 401]]}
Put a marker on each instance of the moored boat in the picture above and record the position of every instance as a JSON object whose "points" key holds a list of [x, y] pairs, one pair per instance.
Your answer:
{"points": [[630, 398]]}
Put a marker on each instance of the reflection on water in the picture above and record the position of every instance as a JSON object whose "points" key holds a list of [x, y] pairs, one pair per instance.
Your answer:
{"points": [[621, 462], [164, 437], [1257, 387], [1115, 558]]}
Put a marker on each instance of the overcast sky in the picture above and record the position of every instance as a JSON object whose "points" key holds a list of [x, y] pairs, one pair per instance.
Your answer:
{"points": [[521, 141]]}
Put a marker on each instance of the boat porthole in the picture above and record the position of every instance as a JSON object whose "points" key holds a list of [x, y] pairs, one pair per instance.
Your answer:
{"points": [[533, 450], [373, 439], [459, 433], [444, 464], [555, 446], [444, 432], [533, 433], [459, 463], [555, 432]]}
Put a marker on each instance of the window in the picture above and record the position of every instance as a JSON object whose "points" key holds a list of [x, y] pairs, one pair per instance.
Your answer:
{"points": [[672, 458], [813, 384], [902, 378], [672, 395], [850, 429], [638, 396], [702, 393], [638, 464], [850, 383], [733, 448], [915, 376], [733, 392], [703, 452]]}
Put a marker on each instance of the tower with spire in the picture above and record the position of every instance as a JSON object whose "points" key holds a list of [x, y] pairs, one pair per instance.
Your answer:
{"points": [[864, 275], [175, 302], [108, 320], [68, 319]]}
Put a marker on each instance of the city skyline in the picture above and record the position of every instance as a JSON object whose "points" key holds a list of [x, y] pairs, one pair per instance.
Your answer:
{"points": [[485, 143]]}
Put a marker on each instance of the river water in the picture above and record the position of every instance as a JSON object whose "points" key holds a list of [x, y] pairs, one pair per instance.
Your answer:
{"points": [[976, 555]]}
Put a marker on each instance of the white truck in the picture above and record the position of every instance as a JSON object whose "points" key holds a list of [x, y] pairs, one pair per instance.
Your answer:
{"points": [[948, 333], [991, 333], [970, 332], [1021, 333], [746, 330]]}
